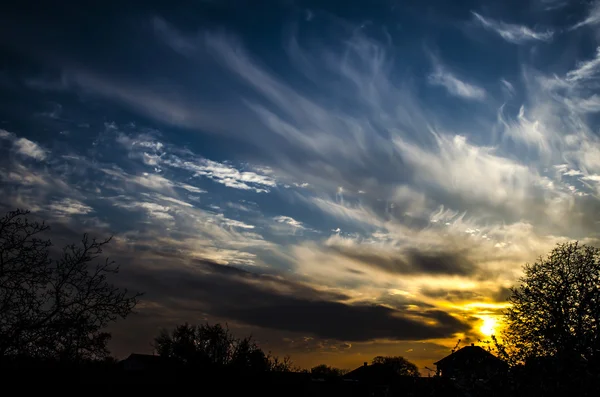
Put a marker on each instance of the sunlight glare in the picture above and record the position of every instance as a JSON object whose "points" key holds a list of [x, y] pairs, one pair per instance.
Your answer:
{"points": [[488, 328]]}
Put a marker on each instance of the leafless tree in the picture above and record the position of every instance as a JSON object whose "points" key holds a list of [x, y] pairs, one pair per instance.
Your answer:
{"points": [[55, 307]]}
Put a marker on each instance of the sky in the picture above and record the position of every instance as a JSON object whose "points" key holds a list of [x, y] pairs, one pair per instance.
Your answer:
{"points": [[340, 179]]}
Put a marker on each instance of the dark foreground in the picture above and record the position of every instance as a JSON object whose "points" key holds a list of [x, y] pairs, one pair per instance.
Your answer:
{"points": [[108, 379]]}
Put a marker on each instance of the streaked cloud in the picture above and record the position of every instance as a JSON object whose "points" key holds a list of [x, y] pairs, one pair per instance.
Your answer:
{"points": [[510, 89], [69, 207], [593, 17], [455, 86], [585, 69], [517, 34], [190, 188], [320, 171], [226, 174], [492, 178]]}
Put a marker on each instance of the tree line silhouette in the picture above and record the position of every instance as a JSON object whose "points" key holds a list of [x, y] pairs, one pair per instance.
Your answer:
{"points": [[55, 308], [214, 346]]}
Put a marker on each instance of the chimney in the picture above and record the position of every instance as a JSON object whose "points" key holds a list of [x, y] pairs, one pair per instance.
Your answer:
{"points": [[365, 364], [472, 344]]}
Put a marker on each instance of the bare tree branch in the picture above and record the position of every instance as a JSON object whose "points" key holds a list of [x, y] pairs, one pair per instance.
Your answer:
{"points": [[55, 307]]}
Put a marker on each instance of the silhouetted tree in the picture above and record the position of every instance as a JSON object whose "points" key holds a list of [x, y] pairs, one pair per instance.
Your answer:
{"points": [[552, 336], [247, 355], [54, 307], [284, 364], [214, 346], [398, 364], [555, 311], [325, 370]]}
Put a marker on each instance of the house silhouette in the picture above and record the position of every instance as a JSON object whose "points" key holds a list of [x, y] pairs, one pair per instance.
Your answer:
{"points": [[472, 362]]}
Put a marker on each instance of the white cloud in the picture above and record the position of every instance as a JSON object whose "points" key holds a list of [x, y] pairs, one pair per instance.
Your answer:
{"points": [[471, 171], [241, 207], [558, 109], [288, 220], [170, 199], [140, 142], [25, 176], [590, 104], [190, 188], [153, 181], [524, 130], [517, 34], [443, 215], [347, 212], [24, 146], [233, 223], [154, 210], [593, 178], [549, 5], [150, 181], [199, 233], [455, 86], [304, 122], [170, 222], [585, 70], [68, 207], [510, 89], [30, 148], [226, 174], [593, 17], [570, 172]]}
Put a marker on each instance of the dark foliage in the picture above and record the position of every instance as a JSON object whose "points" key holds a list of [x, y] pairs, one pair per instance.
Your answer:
{"points": [[555, 311], [326, 371], [54, 308], [214, 347], [552, 337], [399, 364]]}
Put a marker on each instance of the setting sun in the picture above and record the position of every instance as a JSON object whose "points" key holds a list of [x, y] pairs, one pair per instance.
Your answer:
{"points": [[488, 328]]}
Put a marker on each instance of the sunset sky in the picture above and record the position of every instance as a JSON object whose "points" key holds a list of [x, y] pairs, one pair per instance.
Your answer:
{"points": [[340, 179]]}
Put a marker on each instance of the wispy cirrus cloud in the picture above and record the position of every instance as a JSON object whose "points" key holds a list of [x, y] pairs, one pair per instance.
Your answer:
{"points": [[454, 156], [226, 174], [390, 199], [155, 205], [455, 86], [593, 17], [585, 69], [69, 207], [153, 152], [517, 34], [508, 86], [549, 5], [156, 102]]}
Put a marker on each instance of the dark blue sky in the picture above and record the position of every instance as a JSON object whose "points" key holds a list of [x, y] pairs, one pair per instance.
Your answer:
{"points": [[342, 179]]}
